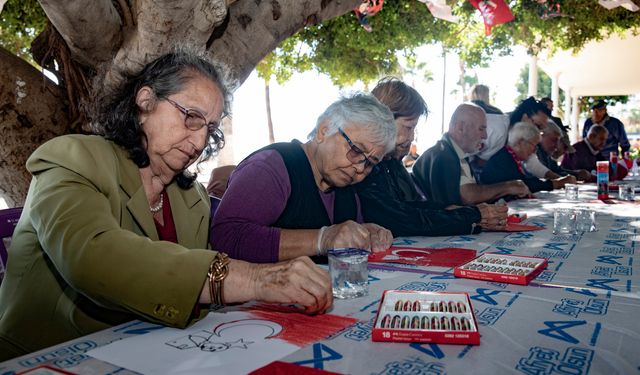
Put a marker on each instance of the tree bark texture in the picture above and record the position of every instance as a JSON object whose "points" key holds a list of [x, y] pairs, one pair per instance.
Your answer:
{"points": [[32, 111], [116, 38]]}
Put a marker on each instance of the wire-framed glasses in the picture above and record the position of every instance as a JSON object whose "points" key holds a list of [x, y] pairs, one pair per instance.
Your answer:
{"points": [[193, 119], [355, 154]]}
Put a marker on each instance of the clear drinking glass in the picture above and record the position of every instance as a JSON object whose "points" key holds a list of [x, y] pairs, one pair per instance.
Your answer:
{"points": [[571, 192], [586, 220], [626, 192], [564, 221], [349, 274]]}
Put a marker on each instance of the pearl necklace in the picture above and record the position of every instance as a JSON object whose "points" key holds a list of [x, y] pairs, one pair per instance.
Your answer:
{"points": [[155, 209]]}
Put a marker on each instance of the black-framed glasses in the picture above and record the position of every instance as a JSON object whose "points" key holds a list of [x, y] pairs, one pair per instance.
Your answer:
{"points": [[355, 154], [194, 120]]}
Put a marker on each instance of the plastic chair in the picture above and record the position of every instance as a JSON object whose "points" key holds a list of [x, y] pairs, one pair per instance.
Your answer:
{"points": [[8, 220]]}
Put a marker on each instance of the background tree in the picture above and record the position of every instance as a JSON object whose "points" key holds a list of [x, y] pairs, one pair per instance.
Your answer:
{"points": [[90, 44]]}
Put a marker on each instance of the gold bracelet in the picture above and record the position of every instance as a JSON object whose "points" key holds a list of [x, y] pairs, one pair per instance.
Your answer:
{"points": [[218, 271]]}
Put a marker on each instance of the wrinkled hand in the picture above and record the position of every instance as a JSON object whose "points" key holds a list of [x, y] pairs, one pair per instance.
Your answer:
{"points": [[380, 238], [296, 281], [518, 188], [583, 175], [493, 216], [559, 183], [352, 234]]}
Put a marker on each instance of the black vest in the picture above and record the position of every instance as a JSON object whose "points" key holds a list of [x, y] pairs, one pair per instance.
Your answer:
{"points": [[304, 209]]}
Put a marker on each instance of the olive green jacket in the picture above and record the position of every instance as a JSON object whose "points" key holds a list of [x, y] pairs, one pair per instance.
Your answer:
{"points": [[85, 254]]}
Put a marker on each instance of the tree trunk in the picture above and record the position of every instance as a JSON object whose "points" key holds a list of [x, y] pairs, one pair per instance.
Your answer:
{"points": [[106, 40], [32, 110], [267, 99]]}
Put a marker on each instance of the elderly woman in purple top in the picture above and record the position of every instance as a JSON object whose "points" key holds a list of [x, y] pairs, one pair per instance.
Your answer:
{"points": [[293, 199]]}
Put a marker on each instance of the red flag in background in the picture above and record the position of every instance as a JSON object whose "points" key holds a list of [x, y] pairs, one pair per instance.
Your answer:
{"points": [[494, 12]]}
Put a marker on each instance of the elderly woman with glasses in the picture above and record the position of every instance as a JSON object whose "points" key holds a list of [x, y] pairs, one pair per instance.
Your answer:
{"points": [[507, 163], [292, 199], [115, 228]]}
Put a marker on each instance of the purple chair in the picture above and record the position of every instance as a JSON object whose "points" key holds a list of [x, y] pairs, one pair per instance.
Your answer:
{"points": [[8, 220]]}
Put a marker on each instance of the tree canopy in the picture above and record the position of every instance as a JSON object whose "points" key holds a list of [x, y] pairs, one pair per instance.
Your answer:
{"points": [[92, 45], [347, 53]]}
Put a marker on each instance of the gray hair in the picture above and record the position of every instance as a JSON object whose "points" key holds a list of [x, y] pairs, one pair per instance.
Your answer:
{"points": [[596, 130], [551, 128], [480, 92], [363, 111], [522, 131]]}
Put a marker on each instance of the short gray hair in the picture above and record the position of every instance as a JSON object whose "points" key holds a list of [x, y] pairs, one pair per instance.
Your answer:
{"points": [[551, 128], [363, 111], [522, 131], [596, 130]]}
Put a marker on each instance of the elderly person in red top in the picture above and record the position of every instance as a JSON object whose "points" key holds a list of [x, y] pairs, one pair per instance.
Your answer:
{"points": [[292, 199]]}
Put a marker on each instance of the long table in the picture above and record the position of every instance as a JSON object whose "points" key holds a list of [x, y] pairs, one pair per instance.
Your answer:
{"points": [[579, 316]]}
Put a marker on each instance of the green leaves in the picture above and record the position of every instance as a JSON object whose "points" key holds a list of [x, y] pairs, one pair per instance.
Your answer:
{"points": [[342, 49], [20, 22]]}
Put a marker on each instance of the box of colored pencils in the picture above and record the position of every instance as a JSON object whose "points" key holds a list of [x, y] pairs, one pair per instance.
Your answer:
{"points": [[510, 269], [429, 317]]}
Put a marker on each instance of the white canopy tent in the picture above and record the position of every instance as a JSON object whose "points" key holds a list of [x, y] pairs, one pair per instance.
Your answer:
{"points": [[607, 67]]}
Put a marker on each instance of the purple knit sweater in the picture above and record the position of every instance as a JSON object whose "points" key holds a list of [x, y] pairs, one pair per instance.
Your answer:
{"points": [[254, 200]]}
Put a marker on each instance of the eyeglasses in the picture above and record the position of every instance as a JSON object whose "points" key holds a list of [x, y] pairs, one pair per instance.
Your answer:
{"points": [[355, 154], [193, 119]]}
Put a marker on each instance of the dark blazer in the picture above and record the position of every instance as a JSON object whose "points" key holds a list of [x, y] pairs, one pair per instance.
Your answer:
{"points": [[85, 254], [501, 167], [390, 199], [437, 173]]}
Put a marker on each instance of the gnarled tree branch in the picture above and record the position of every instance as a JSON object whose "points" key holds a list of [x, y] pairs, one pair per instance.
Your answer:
{"points": [[256, 28], [74, 19]]}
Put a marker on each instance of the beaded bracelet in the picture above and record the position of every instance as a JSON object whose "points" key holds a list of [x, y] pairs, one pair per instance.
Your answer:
{"points": [[218, 271]]}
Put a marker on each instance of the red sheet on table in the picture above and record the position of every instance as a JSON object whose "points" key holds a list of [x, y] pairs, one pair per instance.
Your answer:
{"points": [[422, 256], [299, 328], [517, 227], [285, 368]]}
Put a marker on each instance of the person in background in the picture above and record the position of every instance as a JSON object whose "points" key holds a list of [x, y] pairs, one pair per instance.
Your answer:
{"points": [[506, 164], [218, 180], [388, 195], [411, 157], [617, 136], [548, 144], [564, 147], [443, 173], [292, 199], [533, 112], [480, 97], [115, 228], [557, 120], [588, 151]]}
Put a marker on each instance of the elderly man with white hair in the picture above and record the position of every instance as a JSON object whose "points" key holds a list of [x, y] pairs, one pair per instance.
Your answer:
{"points": [[506, 164], [550, 138]]}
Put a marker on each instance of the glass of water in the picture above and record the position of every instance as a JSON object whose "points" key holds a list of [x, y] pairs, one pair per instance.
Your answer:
{"points": [[586, 220], [571, 192], [349, 274], [626, 192], [564, 221]]}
